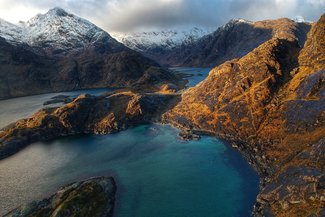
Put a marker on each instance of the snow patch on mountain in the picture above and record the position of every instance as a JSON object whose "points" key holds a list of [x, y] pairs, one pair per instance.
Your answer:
{"points": [[10, 32]]}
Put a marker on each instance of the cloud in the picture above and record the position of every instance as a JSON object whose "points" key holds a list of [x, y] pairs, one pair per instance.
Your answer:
{"points": [[133, 15], [129, 15]]}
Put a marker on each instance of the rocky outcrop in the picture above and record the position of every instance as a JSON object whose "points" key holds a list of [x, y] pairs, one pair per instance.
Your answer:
{"points": [[59, 51], [299, 189], [270, 103], [233, 40], [86, 114], [93, 197]]}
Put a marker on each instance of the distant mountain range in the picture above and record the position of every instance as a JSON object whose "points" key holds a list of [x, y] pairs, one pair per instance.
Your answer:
{"points": [[206, 47], [163, 39], [58, 51]]}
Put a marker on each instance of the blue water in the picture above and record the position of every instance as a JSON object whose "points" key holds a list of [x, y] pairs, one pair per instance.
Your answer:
{"points": [[196, 75], [157, 174]]}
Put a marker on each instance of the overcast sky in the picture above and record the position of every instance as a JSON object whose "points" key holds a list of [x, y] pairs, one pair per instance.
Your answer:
{"points": [[133, 15]]}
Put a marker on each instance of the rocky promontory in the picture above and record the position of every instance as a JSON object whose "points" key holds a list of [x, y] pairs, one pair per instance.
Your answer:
{"points": [[84, 115], [93, 197]]}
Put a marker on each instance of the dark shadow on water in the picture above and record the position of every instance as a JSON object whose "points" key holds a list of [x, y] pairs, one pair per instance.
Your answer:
{"points": [[234, 159]]}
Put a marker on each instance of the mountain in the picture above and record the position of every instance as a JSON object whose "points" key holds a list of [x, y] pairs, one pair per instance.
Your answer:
{"points": [[233, 40], [58, 32], [157, 44], [270, 104], [163, 39], [58, 51]]}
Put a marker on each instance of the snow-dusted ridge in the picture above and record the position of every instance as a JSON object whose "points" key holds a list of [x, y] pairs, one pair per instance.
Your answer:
{"points": [[11, 32], [56, 28], [167, 39]]}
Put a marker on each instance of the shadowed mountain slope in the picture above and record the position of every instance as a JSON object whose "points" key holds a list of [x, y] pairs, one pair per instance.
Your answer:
{"points": [[59, 51]]}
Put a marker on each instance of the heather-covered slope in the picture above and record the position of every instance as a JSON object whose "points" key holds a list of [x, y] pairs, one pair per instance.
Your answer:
{"points": [[59, 51], [271, 104]]}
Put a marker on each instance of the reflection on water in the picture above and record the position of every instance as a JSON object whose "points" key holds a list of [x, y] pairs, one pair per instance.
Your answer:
{"points": [[22, 107], [157, 174]]}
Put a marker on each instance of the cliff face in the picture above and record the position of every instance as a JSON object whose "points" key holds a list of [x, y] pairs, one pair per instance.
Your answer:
{"points": [[59, 51], [234, 40], [271, 102], [93, 197]]}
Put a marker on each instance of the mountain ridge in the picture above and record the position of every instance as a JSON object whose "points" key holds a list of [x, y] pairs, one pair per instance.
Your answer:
{"points": [[232, 40], [169, 38]]}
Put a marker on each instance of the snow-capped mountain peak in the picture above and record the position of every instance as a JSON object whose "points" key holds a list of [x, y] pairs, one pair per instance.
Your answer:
{"points": [[234, 22], [55, 29], [58, 11]]}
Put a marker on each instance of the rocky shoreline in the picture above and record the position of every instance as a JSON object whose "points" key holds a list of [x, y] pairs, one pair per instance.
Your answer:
{"points": [[266, 173]]}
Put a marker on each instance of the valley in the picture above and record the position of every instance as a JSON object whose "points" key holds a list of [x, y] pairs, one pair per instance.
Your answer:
{"points": [[264, 97]]}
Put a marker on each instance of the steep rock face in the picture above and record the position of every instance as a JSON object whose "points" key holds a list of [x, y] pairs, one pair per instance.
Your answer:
{"points": [[93, 197], [59, 51], [86, 114], [271, 103], [233, 40]]}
